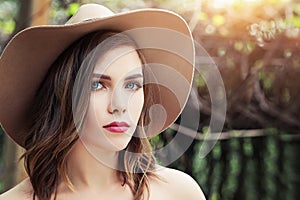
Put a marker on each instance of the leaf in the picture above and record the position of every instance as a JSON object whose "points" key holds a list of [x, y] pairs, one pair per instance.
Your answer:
{"points": [[202, 16], [238, 45], [297, 8], [8, 26], [218, 20], [72, 9], [296, 22]]}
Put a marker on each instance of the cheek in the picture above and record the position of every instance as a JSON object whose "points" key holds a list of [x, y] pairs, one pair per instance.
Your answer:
{"points": [[90, 135], [96, 106], [90, 125], [135, 105]]}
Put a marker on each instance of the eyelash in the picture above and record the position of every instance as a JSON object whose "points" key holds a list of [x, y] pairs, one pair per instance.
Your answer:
{"points": [[96, 82], [137, 85]]}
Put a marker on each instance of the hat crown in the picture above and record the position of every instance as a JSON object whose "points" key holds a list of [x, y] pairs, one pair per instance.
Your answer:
{"points": [[88, 12]]}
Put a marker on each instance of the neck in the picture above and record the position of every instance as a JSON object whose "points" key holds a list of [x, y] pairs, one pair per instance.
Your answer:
{"points": [[87, 171]]}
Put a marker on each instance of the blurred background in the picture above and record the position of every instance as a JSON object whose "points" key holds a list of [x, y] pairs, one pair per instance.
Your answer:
{"points": [[256, 47]]}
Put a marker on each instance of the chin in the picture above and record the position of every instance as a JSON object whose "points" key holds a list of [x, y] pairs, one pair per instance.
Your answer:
{"points": [[119, 146], [113, 144]]}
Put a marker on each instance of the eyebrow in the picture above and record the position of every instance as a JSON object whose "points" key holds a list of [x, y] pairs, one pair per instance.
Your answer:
{"points": [[103, 76], [134, 76]]}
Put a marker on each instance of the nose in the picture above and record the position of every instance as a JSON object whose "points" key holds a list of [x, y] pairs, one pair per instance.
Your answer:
{"points": [[117, 103]]}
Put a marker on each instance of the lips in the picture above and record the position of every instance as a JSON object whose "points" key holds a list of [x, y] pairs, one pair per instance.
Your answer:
{"points": [[117, 127]]}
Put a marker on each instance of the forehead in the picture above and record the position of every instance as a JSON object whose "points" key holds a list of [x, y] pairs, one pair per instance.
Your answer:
{"points": [[119, 61]]}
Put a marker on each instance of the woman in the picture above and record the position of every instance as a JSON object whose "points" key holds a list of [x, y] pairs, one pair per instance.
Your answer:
{"points": [[90, 91]]}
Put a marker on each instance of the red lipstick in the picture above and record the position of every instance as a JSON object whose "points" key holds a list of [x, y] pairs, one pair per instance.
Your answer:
{"points": [[117, 127]]}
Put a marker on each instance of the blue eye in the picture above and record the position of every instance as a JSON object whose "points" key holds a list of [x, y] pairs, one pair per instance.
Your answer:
{"points": [[97, 85], [133, 86]]}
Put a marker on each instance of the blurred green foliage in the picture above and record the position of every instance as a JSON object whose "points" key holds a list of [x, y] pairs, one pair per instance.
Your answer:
{"points": [[8, 13]]}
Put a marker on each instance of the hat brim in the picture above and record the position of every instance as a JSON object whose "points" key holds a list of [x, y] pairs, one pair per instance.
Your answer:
{"points": [[28, 56]]}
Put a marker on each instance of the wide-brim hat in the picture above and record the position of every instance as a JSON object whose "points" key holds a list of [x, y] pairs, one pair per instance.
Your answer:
{"points": [[163, 36]]}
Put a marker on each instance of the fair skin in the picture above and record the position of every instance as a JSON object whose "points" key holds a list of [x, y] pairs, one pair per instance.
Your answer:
{"points": [[117, 97], [92, 161]]}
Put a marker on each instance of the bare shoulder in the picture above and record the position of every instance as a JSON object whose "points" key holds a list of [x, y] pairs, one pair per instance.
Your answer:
{"points": [[21, 191], [177, 184]]}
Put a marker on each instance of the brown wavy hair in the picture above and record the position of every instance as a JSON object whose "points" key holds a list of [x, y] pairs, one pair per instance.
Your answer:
{"points": [[54, 130]]}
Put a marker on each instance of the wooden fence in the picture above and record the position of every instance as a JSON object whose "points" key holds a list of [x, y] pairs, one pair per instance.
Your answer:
{"points": [[250, 168]]}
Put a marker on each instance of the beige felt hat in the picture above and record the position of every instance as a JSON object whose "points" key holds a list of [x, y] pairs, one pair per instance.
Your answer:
{"points": [[163, 36]]}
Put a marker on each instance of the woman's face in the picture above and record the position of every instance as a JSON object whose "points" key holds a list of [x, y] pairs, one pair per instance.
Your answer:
{"points": [[116, 100]]}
